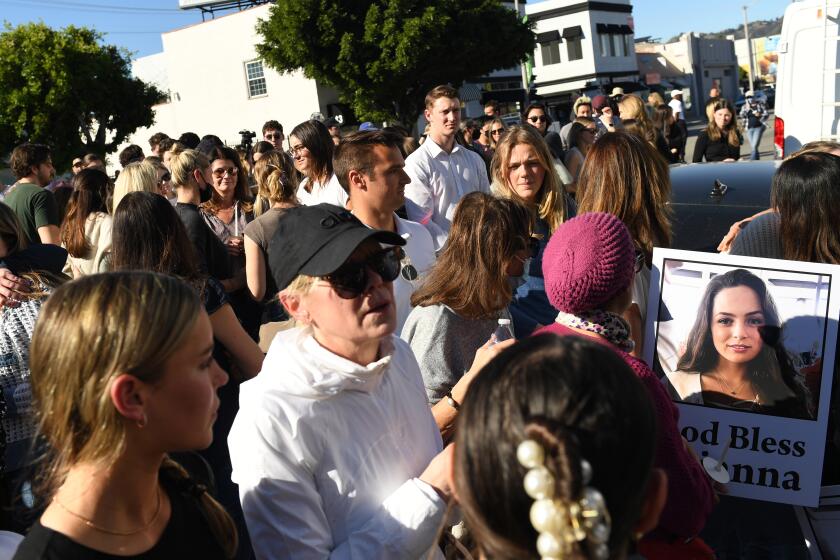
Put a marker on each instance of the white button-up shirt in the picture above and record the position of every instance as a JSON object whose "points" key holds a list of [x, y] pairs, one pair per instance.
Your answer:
{"points": [[438, 182]]}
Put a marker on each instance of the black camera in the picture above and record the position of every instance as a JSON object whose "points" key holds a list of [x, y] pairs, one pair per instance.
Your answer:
{"points": [[245, 138]]}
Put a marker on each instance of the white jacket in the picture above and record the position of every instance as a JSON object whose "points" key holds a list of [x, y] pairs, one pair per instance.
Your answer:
{"points": [[326, 453]]}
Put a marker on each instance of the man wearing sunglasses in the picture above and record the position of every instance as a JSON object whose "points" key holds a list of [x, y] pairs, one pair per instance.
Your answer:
{"points": [[272, 132], [536, 115], [334, 448], [441, 170], [370, 168]]}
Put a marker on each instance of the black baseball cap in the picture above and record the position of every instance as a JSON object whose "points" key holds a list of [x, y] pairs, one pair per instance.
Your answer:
{"points": [[317, 240]]}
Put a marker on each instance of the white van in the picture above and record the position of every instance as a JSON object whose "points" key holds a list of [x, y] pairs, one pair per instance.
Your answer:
{"points": [[808, 76]]}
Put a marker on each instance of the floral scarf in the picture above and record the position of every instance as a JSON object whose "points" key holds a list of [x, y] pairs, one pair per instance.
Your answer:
{"points": [[609, 325]]}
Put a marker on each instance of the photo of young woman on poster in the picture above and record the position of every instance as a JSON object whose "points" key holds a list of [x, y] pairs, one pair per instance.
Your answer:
{"points": [[734, 357]]}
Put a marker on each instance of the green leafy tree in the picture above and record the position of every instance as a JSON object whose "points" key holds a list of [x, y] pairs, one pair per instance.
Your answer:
{"points": [[384, 55], [66, 89]]}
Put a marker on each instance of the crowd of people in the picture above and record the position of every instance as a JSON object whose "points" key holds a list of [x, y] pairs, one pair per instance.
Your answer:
{"points": [[290, 351]]}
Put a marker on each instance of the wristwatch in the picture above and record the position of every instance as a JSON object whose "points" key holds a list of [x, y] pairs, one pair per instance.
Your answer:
{"points": [[450, 400]]}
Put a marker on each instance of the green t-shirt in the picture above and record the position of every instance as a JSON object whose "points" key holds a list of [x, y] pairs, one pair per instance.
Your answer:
{"points": [[35, 207]]}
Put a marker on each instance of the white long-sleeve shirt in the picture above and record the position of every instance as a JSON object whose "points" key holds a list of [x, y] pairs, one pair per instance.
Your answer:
{"points": [[326, 453], [438, 182]]}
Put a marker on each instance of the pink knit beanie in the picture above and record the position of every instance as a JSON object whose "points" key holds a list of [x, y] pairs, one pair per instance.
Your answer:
{"points": [[588, 261]]}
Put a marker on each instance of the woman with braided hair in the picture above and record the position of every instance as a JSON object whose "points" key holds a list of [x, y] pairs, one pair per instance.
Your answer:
{"points": [[552, 461], [112, 413]]}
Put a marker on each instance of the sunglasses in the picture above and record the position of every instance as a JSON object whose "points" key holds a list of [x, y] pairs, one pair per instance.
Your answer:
{"points": [[640, 261], [275, 136], [497, 131], [540, 118], [351, 279], [220, 172], [77, 164], [407, 270]]}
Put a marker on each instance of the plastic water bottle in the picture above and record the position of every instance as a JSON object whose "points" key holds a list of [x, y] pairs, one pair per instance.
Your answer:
{"points": [[502, 332]]}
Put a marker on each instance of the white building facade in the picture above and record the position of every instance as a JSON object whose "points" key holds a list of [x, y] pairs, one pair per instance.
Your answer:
{"points": [[217, 83], [582, 46]]}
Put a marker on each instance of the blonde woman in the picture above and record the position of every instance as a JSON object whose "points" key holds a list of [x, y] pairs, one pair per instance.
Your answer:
{"points": [[111, 415], [582, 136], [138, 176], [277, 189], [634, 119], [191, 180], [523, 170], [497, 130]]}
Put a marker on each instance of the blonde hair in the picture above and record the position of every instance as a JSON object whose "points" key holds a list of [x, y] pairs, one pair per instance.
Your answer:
{"points": [[108, 315], [276, 183], [183, 162], [550, 203], [138, 176], [631, 107], [300, 286], [655, 99]]}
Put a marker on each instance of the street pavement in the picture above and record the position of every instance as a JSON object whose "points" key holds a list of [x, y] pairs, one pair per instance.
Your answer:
{"points": [[766, 150]]}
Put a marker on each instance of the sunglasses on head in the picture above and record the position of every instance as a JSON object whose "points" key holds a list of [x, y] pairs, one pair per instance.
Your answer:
{"points": [[640, 261], [351, 279]]}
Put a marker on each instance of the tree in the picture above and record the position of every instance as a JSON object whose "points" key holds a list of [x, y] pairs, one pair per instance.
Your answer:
{"points": [[65, 89], [384, 55]]}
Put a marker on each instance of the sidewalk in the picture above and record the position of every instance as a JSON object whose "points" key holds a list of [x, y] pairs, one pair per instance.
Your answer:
{"points": [[766, 149]]}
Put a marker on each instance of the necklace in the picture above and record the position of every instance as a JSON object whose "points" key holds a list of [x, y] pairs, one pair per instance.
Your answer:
{"points": [[723, 383], [92, 525]]}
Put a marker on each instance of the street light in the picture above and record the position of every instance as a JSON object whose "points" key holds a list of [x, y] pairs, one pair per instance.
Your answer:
{"points": [[749, 47]]}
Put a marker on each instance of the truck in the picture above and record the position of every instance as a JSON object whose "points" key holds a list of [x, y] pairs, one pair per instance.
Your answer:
{"points": [[808, 76]]}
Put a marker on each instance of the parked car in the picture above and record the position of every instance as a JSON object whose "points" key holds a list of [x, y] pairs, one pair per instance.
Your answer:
{"points": [[707, 198]]}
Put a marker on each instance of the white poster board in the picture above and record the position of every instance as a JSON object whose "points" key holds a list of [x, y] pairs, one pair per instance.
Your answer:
{"points": [[747, 348]]}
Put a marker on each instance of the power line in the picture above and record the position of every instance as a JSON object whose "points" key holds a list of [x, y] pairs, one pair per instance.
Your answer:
{"points": [[92, 7]]}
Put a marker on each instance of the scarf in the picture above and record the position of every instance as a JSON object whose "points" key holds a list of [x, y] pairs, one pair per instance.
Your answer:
{"points": [[609, 325]]}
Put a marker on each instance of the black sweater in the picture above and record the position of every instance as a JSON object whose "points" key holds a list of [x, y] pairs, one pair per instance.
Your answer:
{"points": [[715, 151]]}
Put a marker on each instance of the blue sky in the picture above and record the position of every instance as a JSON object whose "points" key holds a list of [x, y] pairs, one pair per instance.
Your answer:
{"points": [[137, 25]]}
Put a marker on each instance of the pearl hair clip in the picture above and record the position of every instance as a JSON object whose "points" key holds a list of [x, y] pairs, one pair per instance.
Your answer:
{"points": [[562, 524]]}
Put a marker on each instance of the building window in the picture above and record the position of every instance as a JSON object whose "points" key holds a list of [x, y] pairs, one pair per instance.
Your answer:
{"points": [[615, 40], [606, 45], [256, 78], [549, 46], [550, 53], [618, 45], [573, 37], [727, 72]]}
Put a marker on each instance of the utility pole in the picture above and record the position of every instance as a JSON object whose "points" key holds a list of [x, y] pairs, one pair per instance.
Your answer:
{"points": [[522, 65], [749, 46]]}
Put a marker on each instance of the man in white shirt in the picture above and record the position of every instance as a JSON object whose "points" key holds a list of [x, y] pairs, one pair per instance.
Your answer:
{"points": [[334, 447], [442, 171], [676, 104], [370, 167]]}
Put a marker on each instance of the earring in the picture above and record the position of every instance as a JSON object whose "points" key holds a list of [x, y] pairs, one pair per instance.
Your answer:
{"points": [[142, 422]]}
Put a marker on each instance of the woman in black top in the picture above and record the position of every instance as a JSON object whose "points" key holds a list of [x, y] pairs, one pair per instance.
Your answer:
{"points": [[721, 140], [122, 374], [672, 132]]}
